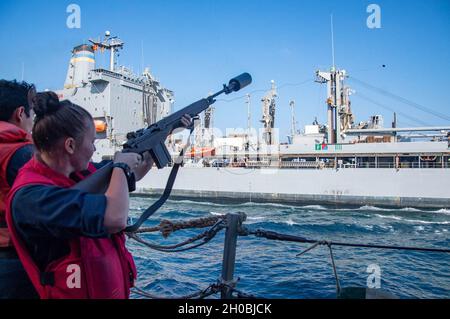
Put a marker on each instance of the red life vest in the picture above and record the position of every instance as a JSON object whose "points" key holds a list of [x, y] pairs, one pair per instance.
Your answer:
{"points": [[95, 268], [12, 138]]}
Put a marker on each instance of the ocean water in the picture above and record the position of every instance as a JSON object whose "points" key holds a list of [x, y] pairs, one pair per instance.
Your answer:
{"points": [[270, 269]]}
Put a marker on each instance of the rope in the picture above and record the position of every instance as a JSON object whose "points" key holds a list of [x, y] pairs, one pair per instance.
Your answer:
{"points": [[167, 227], [164, 248], [231, 285], [210, 290], [206, 236]]}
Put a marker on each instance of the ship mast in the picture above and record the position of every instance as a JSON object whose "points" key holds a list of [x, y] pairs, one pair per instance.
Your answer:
{"points": [[339, 114], [113, 44], [332, 42], [247, 144], [248, 112]]}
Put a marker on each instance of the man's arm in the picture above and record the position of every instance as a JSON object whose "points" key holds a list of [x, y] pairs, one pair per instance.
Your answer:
{"points": [[18, 160]]}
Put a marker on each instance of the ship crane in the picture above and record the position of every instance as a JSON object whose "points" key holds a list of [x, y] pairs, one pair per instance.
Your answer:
{"points": [[209, 126], [204, 136], [268, 111], [339, 114], [293, 129]]}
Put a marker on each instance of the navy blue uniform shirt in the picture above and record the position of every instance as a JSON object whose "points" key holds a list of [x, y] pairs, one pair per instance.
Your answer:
{"points": [[17, 161], [47, 217]]}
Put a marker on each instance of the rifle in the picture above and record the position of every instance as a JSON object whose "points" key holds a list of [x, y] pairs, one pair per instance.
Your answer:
{"points": [[152, 139]]}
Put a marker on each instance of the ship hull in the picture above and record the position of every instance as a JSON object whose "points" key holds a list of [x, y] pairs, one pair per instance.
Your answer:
{"points": [[422, 188]]}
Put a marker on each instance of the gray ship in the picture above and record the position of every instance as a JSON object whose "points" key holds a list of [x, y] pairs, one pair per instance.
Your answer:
{"points": [[339, 163]]}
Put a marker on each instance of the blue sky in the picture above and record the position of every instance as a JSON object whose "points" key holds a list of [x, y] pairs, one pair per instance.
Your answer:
{"points": [[193, 47]]}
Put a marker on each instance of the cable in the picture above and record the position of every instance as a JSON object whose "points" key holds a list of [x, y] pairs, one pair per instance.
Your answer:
{"points": [[403, 100], [392, 110], [263, 90]]}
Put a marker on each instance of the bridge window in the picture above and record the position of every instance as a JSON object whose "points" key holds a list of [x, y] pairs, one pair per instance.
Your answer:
{"points": [[408, 162], [365, 162], [385, 162]]}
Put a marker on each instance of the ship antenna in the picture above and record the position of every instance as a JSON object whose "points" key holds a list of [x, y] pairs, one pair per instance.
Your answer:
{"points": [[109, 43], [248, 112], [332, 42], [249, 123], [142, 56]]}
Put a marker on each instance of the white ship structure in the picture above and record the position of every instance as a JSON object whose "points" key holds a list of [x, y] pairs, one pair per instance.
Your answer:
{"points": [[339, 163]]}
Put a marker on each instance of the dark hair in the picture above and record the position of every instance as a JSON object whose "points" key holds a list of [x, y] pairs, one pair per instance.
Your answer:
{"points": [[13, 94], [56, 120]]}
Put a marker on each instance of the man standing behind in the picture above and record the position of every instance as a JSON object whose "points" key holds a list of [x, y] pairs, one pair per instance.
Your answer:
{"points": [[16, 123]]}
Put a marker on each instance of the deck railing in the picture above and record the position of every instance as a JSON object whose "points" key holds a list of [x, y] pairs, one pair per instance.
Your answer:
{"points": [[274, 163]]}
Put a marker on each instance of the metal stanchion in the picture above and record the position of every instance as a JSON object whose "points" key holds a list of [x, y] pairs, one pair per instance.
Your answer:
{"points": [[229, 253]]}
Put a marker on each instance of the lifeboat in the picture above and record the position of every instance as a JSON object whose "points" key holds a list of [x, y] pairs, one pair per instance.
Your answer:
{"points": [[201, 152], [100, 126]]}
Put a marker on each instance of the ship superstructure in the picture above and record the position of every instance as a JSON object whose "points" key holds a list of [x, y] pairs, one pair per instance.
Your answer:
{"points": [[119, 100]]}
